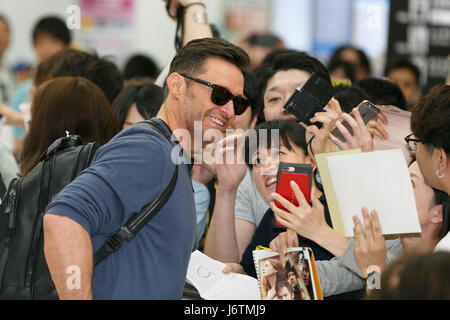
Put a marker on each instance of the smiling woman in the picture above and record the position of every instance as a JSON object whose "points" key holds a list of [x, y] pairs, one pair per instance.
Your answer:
{"points": [[291, 148]]}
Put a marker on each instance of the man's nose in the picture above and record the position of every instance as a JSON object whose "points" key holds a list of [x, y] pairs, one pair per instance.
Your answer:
{"points": [[228, 109]]}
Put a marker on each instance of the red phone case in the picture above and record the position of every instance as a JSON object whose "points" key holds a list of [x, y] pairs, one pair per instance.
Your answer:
{"points": [[302, 175]]}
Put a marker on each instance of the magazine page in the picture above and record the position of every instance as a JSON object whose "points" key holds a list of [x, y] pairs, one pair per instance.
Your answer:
{"points": [[294, 279], [206, 275]]}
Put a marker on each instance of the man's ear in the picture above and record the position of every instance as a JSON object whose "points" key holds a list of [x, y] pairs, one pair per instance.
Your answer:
{"points": [[176, 85]]}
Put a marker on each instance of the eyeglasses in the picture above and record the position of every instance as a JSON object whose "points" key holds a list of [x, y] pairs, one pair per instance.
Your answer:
{"points": [[220, 96], [412, 142]]}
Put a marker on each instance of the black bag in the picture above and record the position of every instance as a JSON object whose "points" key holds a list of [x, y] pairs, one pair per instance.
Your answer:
{"points": [[24, 273], [2, 187], [23, 270]]}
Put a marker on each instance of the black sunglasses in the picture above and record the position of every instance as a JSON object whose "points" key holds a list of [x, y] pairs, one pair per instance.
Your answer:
{"points": [[220, 96]]}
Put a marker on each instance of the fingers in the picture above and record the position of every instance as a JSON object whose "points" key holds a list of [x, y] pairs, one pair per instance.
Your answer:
{"points": [[328, 119], [282, 242], [292, 240], [233, 267], [231, 149], [367, 223], [283, 217], [376, 225], [356, 128], [338, 142], [324, 117], [303, 124], [382, 117], [280, 245], [334, 106], [344, 131], [283, 201], [298, 193], [377, 129], [357, 228], [357, 115]]}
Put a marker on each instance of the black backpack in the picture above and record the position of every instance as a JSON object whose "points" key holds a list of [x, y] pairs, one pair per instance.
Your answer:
{"points": [[2, 187], [24, 273]]}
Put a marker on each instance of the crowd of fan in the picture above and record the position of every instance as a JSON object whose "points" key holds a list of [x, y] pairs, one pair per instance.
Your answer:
{"points": [[76, 91]]}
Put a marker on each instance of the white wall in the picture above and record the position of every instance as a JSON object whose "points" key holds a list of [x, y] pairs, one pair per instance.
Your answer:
{"points": [[154, 30], [22, 15], [293, 22]]}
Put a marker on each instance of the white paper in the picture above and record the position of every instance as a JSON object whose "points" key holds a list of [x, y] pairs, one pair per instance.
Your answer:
{"points": [[206, 275], [379, 181]]}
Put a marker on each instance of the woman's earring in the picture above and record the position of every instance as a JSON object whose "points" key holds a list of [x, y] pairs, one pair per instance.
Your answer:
{"points": [[439, 176]]}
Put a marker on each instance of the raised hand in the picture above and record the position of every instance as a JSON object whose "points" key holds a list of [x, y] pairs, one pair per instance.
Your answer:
{"points": [[230, 165], [369, 244], [376, 129], [306, 220], [361, 137], [282, 242]]}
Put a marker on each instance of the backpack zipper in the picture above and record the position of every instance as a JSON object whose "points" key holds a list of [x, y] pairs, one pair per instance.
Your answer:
{"points": [[10, 210]]}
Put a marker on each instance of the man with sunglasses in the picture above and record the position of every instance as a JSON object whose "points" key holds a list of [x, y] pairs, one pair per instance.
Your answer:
{"points": [[204, 87]]}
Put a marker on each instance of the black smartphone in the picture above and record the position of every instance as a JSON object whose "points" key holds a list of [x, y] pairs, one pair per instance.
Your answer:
{"points": [[367, 109], [312, 97]]}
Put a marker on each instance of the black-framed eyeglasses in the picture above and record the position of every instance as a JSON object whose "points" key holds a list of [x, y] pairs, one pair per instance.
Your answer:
{"points": [[220, 96], [412, 141]]}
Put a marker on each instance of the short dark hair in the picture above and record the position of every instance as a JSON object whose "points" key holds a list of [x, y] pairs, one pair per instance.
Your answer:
{"points": [[430, 119], [349, 68], [288, 60], [265, 39], [290, 132], [402, 63], [383, 92], [251, 87], [349, 97], [418, 277], [75, 63], [192, 57], [53, 26], [140, 66], [148, 99], [364, 60]]}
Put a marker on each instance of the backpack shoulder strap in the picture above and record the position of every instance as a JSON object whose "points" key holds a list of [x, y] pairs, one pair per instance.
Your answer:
{"points": [[138, 220]]}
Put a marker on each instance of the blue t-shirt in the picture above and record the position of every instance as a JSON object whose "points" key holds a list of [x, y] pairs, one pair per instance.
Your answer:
{"points": [[125, 174]]}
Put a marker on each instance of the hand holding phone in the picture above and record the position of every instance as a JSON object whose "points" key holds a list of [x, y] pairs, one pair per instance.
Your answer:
{"points": [[367, 110], [311, 98], [301, 174]]}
